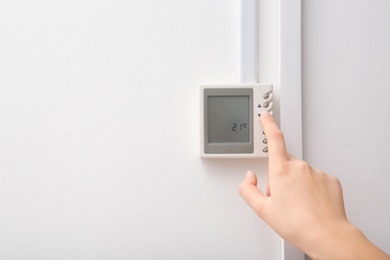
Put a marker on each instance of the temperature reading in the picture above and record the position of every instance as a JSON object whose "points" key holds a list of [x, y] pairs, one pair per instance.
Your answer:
{"points": [[239, 127]]}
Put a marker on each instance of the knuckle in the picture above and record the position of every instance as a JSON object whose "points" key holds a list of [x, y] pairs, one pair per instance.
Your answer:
{"points": [[335, 185], [320, 173], [276, 135], [334, 180], [303, 167]]}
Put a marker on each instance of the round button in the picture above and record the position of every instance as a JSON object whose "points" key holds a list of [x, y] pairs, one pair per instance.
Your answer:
{"points": [[266, 104], [265, 141], [265, 150], [266, 95]]}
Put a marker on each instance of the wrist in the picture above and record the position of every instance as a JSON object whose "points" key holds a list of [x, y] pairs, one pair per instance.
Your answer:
{"points": [[346, 242], [339, 242]]}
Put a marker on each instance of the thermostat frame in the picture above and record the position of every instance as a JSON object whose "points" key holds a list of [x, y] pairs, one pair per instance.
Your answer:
{"points": [[260, 99]]}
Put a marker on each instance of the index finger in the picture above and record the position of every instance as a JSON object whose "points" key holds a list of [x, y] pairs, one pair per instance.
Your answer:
{"points": [[275, 139]]}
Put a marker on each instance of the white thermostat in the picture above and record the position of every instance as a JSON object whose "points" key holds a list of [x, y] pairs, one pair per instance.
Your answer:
{"points": [[230, 120]]}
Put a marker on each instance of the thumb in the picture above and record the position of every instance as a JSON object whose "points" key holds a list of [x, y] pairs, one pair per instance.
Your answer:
{"points": [[251, 194]]}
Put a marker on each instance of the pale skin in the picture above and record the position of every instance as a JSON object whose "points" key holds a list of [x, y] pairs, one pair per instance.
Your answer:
{"points": [[304, 205]]}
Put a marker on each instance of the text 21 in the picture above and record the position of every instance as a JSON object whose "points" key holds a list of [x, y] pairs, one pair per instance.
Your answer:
{"points": [[239, 127]]}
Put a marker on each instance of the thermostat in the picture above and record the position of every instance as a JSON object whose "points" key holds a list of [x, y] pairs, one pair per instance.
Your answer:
{"points": [[230, 120]]}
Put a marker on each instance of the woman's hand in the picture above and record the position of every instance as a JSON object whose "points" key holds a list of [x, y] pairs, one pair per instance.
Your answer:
{"points": [[304, 205]]}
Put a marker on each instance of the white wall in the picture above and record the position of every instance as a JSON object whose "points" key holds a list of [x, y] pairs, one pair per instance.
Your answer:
{"points": [[99, 126], [346, 108], [99, 133]]}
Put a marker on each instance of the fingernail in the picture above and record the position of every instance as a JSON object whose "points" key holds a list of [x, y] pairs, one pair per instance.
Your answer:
{"points": [[248, 174], [265, 113]]}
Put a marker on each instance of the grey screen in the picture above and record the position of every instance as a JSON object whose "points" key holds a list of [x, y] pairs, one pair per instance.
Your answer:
{"points": [[228, 119]]}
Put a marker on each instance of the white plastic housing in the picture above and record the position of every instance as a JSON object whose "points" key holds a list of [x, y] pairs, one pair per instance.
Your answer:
{"points": [[262, 94]]}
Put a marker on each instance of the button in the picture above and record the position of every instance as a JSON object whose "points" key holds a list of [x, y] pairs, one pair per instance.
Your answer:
{"points": [[265, 141], [266, 104], [259, 106], [266, 95], [265, 149], [259, 115]]}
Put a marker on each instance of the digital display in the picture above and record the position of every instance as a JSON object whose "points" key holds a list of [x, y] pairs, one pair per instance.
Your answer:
{"points": [[228, 119]]}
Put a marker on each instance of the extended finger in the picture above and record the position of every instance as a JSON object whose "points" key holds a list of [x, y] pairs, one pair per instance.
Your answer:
{"points": [[275, 139]]}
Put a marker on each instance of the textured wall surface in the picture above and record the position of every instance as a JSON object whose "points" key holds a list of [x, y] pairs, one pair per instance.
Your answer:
{"points": [[346, 105], [99, 133]]}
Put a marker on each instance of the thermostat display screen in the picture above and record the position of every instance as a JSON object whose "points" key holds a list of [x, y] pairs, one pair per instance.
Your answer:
{"points": [[228, 119]]}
